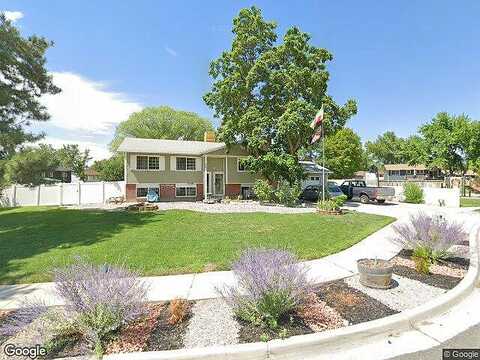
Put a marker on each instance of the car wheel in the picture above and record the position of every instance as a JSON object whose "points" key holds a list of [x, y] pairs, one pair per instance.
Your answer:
{"points": [[381, 201], [364, 199]]}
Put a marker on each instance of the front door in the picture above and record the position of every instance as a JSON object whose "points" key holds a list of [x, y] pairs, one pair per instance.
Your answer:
{"points": [[218, 184]]}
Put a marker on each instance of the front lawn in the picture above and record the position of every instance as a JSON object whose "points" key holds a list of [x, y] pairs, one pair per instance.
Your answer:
{"points": [[33, 240], [469, 202]]}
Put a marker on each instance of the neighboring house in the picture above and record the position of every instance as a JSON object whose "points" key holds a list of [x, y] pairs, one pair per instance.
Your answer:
{"points": [[184, 170], [59, 174], [395, 172], [92, 175], [314, 173]]}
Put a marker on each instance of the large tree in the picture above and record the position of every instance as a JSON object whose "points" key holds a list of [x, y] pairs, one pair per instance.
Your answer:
{"points": [[162, 122], [70, 157], [452, 142], [110, 169], [266, 94], [344, 153], [388, 148], [24, 78], [30, 166]]}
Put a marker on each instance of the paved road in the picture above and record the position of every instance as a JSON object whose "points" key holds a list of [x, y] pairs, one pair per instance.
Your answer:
{"points": [[467, 339]]}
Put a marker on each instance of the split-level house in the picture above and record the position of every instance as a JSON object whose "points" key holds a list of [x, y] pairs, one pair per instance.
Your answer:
{"points": [[179, 170]]}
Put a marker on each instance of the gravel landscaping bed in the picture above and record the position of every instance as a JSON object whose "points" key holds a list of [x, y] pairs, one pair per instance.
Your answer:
{"points": [[433, 279], [352, 304], [406, 293], [212, 323]]}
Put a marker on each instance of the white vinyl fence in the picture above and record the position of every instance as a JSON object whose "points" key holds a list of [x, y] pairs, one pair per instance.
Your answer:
{"points": [[61, 194]]}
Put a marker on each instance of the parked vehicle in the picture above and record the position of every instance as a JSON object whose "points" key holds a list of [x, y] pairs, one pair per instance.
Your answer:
{"points": [[314, 192], [358, 190]]}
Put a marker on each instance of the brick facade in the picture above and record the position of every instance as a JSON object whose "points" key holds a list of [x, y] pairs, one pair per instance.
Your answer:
{"points": [[199, 192], [232, 189], [131, 192], [167, 192]]}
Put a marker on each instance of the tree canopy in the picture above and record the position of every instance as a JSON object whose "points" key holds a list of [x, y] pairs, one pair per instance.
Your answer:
{"points": [[266, 94], [110, 169], [388, 148], [162, 122], [343, 153], [24, 78], [70, 157]]}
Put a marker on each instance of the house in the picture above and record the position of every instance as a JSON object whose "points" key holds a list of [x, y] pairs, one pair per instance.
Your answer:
{"points": [[179, 170], [314, 173], [92, 175], [184, 170], [59, 174], [395, 172]]}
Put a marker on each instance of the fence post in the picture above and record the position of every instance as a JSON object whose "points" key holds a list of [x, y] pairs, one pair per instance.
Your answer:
{"points": [[14, 195], [61, 193], [38, 194], [79, 194], [103, 192]]}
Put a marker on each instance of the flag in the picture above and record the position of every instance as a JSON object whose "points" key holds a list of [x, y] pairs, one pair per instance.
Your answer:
{"points": [[318, 118], [316, 136]]}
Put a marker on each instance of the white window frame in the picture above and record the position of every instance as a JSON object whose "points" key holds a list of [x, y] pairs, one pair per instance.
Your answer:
{"points": [[238, 165], [186, 186], [148, 162], [186, 163]]}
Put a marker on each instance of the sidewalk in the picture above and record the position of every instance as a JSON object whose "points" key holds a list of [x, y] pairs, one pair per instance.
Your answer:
{"points": [[204, 285]]}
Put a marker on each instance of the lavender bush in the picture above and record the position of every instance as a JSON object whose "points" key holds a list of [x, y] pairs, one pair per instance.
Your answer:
{"points": [[430, 237], [271, 283], [100, 298]]}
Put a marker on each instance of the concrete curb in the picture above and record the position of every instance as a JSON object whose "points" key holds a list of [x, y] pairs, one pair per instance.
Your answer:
{"points": [[311, 345]]}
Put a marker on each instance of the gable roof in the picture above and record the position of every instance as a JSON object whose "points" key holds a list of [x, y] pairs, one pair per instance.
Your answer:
{"points": [[313, 168], [161, 146]]}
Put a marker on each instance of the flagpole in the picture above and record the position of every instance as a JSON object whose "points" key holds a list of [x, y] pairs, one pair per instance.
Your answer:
{"points": [[323, 164]]}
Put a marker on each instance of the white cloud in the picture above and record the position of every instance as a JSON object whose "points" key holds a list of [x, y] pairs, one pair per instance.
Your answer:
{"points": [[171, 51], [97, 151], [86, 105], [13, 15]]}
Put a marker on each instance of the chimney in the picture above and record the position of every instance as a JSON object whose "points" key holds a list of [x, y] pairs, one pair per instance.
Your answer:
{"points": [[209, 136]]}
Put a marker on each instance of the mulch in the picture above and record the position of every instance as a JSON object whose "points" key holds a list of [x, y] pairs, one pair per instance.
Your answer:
{"points": [[352, 304], [166, 336], [437, 280]]}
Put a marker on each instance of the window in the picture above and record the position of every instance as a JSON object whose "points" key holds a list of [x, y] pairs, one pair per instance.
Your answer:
{"points": [[315, 178], [186, 164], [142, 162], [148, 162], [185, 191], [241, 165], [143, 190]]}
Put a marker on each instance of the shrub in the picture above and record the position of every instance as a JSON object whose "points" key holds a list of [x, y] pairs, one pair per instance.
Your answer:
{"points": [[271, 283], [430, 237], [100, 299], [288, 194], [178, 311], [263, 190], [413, 193], [333, 204]]}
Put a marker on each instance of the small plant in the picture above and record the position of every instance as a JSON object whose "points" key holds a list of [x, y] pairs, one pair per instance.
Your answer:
{"points": [[333, 204], [271, 283], [287, 194], [264, 337], [413, 193], [263, 191], [178, 311], [430, 237]]}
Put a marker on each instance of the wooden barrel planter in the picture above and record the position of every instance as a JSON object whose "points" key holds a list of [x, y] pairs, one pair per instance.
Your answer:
{"points": [[375, 273]]}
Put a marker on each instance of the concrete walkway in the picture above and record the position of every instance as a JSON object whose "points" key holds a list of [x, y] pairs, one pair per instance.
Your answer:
{"points": [[204, 285]]}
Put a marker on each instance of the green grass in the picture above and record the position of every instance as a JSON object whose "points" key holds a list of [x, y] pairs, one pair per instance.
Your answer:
{"points": [[469, 202], [34, 240]]}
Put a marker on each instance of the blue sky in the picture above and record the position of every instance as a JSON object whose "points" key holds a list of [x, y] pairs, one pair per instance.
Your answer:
{"points": [[402, 61]]}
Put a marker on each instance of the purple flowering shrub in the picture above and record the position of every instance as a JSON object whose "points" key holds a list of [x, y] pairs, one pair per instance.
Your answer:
{"points": [[100, 298], [431, 238], [271, 283]]}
